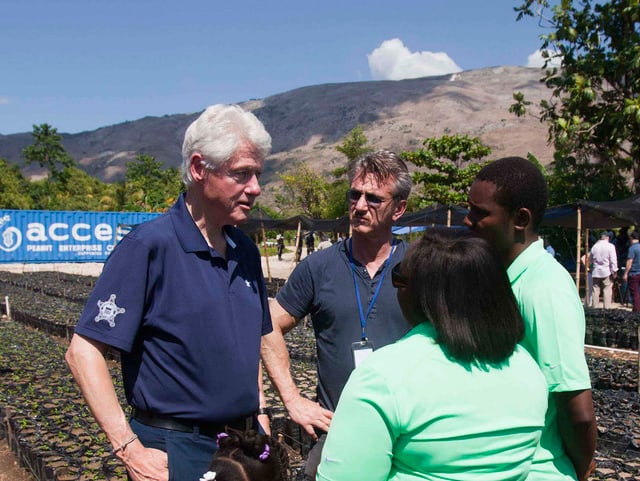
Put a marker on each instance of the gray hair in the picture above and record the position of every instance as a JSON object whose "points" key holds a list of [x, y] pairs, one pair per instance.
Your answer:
{"points": [[383, 165], [218, 133]]}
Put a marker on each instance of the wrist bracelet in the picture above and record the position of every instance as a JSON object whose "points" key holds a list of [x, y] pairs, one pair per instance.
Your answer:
{"points": [[263, 411], [125, 444]]}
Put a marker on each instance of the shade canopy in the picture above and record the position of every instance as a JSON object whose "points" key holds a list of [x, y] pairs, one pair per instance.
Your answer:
{"points": [[434, 215], [595, 214]]}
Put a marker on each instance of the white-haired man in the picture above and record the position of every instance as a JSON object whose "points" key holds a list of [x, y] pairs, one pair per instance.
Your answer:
{"points": [[183, 299]]}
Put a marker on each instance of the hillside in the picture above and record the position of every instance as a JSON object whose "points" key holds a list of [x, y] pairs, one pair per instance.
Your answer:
{"points": [[307, 123]]}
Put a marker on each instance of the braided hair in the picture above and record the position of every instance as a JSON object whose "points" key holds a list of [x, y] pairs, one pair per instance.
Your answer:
{"points": [[248, 456]]}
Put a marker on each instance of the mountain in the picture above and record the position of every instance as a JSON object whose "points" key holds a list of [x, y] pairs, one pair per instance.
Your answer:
{"points": [[307, 123]]}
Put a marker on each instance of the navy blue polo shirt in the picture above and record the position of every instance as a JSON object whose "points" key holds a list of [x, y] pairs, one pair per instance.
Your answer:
{"points": [[322, 286], [188, 322]]}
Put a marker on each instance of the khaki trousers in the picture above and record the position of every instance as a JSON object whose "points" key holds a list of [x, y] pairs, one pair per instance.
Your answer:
{"points": [[604, 284]]}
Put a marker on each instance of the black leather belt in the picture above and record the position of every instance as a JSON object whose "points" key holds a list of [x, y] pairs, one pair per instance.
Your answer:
{"points": [[206, 429]]}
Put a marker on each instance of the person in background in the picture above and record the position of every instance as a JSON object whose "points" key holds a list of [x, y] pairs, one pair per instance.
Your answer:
{"points": [[549, 248], [632, 270], [456, 398], [324, 243], [507, 201], [605, 266], [622, 245], [280, 245], [347, 290], [309, 242], [183, 299], [247, 456]]}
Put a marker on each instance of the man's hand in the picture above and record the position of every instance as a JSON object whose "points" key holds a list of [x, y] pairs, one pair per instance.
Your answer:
{"points": [[309, 414], [145, 464]]}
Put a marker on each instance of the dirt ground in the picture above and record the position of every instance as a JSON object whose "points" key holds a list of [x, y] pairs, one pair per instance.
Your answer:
{"points": [[9, 469], [621, 354]]}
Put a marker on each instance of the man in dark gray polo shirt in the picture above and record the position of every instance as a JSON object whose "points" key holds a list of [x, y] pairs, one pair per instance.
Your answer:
{"points": [[347, 290]]}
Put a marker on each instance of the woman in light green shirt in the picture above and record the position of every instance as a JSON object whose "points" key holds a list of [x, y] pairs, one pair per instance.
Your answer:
{"points": [[456, 398]]}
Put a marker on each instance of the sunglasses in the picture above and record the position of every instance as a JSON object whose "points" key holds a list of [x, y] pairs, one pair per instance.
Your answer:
{"points": [[354, 195], [398, 279]]}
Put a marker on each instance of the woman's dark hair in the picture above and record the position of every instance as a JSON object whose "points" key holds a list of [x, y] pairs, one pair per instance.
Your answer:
{"points": [[249, 456], [459, 284]]}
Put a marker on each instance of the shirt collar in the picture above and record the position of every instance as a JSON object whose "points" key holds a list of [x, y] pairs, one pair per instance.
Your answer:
{"points": [[424, 329], [189, 236], [526, 257]]}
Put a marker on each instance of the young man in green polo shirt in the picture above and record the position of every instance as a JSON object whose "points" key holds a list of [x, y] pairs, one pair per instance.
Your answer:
{"points": [[507, 201]]}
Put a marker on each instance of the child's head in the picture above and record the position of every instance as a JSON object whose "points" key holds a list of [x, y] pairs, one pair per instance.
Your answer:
{"points": [[247, 456]]}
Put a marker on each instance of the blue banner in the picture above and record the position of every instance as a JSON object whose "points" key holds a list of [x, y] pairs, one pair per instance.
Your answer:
{"points": [[63, 236]]}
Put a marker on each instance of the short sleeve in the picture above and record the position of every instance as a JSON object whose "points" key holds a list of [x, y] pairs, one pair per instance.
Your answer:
{"points": [[113, 313], [555, 337], [297, 295]]}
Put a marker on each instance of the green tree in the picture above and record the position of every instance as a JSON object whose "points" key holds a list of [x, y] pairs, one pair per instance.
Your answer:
{"points": [[149, 187], [571, 181], [451, 162], [45, 195], [258, 207], [80, 191], [337, 205], [304, 190], [14, 188], [47, 151], [594, 110], [354, 144]]}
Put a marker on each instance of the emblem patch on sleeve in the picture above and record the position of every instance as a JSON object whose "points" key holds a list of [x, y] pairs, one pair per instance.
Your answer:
{"points": [[108, 310]]}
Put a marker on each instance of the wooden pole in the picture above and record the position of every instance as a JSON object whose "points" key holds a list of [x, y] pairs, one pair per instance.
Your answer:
{"points": [[449, 217], [578, 242], [587, 287], [8, 306], [266, 250], [296, 256]]}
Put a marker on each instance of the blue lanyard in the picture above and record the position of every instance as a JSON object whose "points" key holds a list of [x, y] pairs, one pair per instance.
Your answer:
{"points": [[363, 317]]}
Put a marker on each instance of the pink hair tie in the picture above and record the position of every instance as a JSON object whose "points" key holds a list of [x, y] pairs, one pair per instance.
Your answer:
{"points": [[265, 454], [219, 437]]}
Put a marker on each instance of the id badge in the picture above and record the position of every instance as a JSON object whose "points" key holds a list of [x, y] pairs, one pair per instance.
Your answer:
{"points": [[361, 350]]}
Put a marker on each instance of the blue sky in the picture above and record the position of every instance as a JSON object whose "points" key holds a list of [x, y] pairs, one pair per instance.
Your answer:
{"points": [[83, 64]]}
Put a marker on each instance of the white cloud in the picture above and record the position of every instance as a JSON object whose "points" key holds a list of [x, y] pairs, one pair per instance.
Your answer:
{"points": [[393, 61], [4, 100], [537, 60]]}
